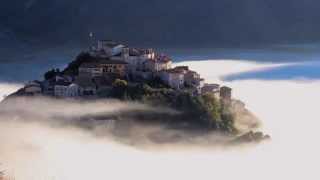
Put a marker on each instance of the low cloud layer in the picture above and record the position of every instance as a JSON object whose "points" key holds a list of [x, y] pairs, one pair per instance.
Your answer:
{"points": [[43, 139], [6, 89], [288, 110], [47, 107]]}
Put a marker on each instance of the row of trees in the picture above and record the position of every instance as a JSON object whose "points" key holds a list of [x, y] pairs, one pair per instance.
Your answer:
{"points": [[208, 109], [51, 74], [72, 68], [204, 109]]}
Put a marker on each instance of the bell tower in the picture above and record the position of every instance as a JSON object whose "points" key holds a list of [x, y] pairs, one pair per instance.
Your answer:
{"points": [[91, 42], [125, 53]]}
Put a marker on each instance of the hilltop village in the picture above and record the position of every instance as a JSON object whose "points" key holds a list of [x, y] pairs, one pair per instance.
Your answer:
{"points": [[110, 70], [107, 62]]}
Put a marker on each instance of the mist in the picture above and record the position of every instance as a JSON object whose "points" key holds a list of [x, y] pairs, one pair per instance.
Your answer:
{"points": [[8, 88], [287, 108]]}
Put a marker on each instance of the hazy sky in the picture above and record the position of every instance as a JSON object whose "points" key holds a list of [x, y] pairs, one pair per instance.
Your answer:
{"points": [[186, 23]]}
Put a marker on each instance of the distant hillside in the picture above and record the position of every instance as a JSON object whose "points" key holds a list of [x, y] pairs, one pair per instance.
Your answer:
{"points": [[165, 22]]}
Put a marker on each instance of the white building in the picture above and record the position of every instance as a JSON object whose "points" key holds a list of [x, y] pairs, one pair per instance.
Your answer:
{"points": [[65, 78], [147, 53], [90, 70], [63, 89], [160, 63], [198, 85], [110, 48], [193, 80], [73, 90], [136, 58], [33, 88], [173, 78]]}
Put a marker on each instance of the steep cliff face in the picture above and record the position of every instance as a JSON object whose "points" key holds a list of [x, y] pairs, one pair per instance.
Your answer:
{"points": [[164, 22]]}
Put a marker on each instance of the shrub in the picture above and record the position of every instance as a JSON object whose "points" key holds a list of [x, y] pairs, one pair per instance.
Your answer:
{"points": [[204, 110], [51, 74], [156, 82], [119, 89], [72, 68]]}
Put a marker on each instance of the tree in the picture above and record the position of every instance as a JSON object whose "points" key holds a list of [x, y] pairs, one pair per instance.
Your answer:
{"points": [[73, 67], [212, 107], [51, 74], [156, 82], [119, 88], [227, 123], [227, 116], [118, 83]]}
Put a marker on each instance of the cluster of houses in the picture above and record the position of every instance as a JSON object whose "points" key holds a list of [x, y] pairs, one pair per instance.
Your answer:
{"points": [[110, 60]]}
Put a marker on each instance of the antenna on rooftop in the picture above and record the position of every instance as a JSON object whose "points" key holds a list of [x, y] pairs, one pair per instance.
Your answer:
{"points": [[91, 41]]}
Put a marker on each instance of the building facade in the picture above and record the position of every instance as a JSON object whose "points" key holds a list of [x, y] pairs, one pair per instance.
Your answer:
{"points": [[101, 67], [114, 67], [90, 70], [66, 90], [109, 48], [61, 88], [33, 88], [86, 86], [225, 93], [73, 90], [173, 78], [208, 88], [192, 78], [135, 59], [156, 65]]}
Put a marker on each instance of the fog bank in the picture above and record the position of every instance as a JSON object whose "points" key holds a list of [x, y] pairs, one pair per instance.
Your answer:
{"points": [[6, 89], [287, 108]]}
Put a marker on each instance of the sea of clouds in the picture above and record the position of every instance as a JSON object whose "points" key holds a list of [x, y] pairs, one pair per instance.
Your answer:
{"points": [[287, 108]]}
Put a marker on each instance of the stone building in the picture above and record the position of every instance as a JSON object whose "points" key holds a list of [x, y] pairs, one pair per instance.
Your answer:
{"points": [[193, 80], [73, 90], [91, 69], [225, 93], [211, 88], [114, 67], [101, 67], [136, 58], [61, 88], [33, 87], [173, 78], [86, 86], [109, 48], [157, 64]]}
